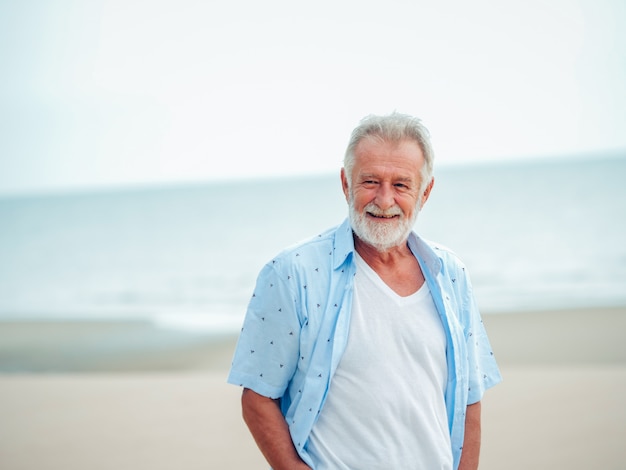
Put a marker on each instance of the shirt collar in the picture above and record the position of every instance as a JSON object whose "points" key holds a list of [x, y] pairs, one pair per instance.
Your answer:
{"points": [[344, 247], [424, 252], [344, 244]]}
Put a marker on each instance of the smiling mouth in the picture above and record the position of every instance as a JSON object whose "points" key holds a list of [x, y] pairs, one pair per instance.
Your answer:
{"points": [[383, 216]]}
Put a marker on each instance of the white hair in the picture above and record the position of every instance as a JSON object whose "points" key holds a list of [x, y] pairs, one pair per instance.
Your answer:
{"points": [[394, 127]]}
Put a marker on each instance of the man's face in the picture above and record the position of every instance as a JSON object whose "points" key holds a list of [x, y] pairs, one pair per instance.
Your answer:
{"points": [[385, 193]]}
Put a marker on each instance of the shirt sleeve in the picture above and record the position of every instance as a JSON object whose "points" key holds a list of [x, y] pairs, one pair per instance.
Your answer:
{"points": [[267, 352], [483, 372]]}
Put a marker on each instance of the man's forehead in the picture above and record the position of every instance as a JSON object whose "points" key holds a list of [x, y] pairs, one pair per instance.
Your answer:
{"points": [[404, 153]]}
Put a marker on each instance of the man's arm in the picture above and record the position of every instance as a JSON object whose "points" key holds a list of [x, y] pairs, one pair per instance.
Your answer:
{"points": [[471, 442], [270, 431]]}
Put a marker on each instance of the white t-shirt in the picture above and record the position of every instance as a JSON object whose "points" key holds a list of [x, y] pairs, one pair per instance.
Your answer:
{"points": [[385, 408]]}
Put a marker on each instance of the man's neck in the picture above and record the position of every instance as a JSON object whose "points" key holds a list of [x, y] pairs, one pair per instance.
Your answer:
{"points": [[374, 256], [397, 267]]}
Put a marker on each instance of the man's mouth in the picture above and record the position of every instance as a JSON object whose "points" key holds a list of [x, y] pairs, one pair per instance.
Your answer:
{"points": [[382, 216]]}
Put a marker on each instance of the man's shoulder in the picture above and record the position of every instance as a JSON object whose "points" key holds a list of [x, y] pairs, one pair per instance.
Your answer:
{"points": [[309, 250], [447, 256], [310, 244], [442, 251]]}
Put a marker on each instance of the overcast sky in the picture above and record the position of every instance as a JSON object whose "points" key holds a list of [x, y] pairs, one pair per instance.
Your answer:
{"points": [[118, 92]]}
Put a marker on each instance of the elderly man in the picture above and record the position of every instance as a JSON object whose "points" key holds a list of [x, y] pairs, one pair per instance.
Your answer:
{"points": [[362, 348]]}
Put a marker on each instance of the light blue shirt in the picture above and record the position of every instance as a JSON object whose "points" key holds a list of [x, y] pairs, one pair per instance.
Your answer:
{"points": [[296, 330]]}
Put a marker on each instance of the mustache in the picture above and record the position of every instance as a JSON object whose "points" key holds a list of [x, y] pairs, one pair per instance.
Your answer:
{"points": [[378, 212]]}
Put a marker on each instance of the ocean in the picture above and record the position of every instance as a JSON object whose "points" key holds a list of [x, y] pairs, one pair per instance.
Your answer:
{"points": [[535, 235]]}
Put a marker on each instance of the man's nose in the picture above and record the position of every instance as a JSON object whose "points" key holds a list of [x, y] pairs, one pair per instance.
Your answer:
{"points": [[385, 197]]}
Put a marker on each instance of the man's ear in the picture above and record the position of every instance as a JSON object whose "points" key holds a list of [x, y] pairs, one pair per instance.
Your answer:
{"points": [[427, 191], [344, 185]]}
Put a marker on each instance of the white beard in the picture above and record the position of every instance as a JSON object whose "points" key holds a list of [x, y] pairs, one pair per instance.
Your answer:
{"points": [[382, 235]]}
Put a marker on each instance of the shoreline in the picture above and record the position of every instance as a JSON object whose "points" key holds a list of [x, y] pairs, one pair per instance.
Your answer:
{"points": [[85, 346], [582, 336]]}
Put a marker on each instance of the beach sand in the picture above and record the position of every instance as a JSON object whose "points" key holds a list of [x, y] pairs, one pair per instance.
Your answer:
{"points": [[130, 396]]}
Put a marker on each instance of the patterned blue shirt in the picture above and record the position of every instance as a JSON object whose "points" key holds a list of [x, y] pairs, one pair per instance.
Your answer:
{"points": [[296, 330]]}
